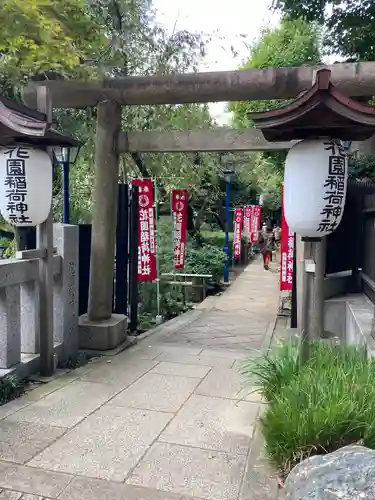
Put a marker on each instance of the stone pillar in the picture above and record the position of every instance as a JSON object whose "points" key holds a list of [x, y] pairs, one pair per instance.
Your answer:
{"points": [[65, 239], [104, 211], [100, 329], [30, 320], [10, 326]]}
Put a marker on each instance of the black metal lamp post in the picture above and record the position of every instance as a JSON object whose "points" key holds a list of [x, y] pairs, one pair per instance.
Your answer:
{"points": [[227, 172], [66, 156]]}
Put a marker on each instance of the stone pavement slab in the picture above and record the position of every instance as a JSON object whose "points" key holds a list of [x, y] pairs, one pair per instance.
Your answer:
{"points": [[157, 392], [119, 375], [190, 471], [67, 406], [33, 481], [214, 424], [82, 488], [169, 419], [20, 441], [222, 382], [106, 445], [180, 369]]}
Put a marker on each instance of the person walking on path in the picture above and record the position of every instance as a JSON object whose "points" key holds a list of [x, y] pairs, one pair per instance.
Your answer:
{"points": [[267, 244]]}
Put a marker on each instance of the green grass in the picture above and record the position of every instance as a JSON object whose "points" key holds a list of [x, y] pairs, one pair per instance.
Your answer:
{"points": [[316, 409]]}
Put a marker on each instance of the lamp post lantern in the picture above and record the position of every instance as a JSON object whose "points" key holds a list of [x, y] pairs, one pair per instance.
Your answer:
{"points": [[66, 156], [227, 172]]}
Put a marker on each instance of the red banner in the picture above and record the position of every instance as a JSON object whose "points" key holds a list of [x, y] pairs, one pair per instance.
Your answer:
{"points": [[237, 233], [257, 214], [287, 253], [247, 221], [179, 219], [146, 230]]}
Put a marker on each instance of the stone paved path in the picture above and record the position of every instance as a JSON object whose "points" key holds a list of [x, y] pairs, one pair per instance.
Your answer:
{"points": [[167, 419]]}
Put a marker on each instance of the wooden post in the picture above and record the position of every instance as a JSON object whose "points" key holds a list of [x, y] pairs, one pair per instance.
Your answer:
{"points": [[104, 211], [45, 242]]}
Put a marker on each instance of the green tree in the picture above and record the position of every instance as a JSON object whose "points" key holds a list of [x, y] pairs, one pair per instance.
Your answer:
{"points": [[138, 45], [349, 24], [293, 43], [38, 36]]}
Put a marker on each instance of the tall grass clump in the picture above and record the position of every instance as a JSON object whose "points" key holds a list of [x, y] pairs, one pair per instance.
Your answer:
{"points": [[319, 407]]}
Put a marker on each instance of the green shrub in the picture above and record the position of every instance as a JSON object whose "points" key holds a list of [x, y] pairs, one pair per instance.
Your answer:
{"points": [[217, 239], [318, 408], [206, 260], [10, 388]]}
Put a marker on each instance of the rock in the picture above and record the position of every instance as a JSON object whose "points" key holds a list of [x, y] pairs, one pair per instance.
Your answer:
{"points": [[346, 474]]}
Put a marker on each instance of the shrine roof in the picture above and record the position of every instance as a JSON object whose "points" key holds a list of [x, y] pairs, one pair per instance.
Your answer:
{"points": [[320, 111], [20, 123]]}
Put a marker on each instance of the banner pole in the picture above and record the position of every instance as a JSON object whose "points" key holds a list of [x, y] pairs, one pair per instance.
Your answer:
{"points": [[159, 318]]}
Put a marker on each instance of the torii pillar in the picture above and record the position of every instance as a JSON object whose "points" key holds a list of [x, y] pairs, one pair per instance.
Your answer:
{"points": [[99, 328]]}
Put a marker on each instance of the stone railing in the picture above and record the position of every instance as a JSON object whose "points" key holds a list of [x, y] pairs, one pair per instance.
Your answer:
{"points": [[19, 305]]}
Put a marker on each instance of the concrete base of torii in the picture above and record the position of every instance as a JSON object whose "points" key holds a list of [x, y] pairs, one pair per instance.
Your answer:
{"points": [[102, 335]]}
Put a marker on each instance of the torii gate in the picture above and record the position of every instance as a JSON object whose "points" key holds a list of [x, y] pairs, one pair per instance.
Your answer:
{"points": [[353, 79]]}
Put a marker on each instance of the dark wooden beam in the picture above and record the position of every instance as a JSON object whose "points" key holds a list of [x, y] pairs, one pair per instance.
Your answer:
{"points": [[198, 140], [353, 79]]}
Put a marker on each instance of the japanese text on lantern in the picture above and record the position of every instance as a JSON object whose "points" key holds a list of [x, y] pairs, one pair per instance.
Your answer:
{"points": [[287, 252], [146, 231], [257, 212], [247, 223], [334, 187], [237, 233], [15, 184], [179, 219]]}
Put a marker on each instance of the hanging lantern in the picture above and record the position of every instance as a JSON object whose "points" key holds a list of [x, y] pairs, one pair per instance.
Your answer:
{"points": [[25, 185], [316, 174]]}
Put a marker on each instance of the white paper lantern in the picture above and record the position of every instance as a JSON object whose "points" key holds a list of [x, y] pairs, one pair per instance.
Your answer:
{"points": [[25, 185], [315, 181]]}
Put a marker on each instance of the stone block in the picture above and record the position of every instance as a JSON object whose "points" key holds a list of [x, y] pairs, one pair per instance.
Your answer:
{"points": [[102, 335], [10, 326], [347, 474], [66, 316], [30, 324]]}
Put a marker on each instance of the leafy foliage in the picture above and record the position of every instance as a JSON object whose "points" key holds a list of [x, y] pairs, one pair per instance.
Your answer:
{"points": [[308, 416], [349, 24], [293, 43], [10, 388], [363, 167], [56, 39]]}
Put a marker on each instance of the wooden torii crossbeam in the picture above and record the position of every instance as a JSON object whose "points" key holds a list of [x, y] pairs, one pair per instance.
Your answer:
{"points": [[352, 79]]}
